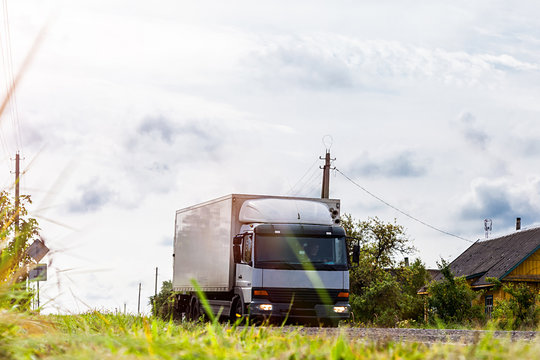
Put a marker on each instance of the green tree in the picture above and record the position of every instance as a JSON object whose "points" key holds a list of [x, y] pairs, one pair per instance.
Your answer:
{"points": [[14, 260], [382, 290], [412, 279], [163, 302], [450, 299]]}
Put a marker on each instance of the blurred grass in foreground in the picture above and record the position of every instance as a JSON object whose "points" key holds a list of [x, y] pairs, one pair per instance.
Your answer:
{"points": [[96, 335]]}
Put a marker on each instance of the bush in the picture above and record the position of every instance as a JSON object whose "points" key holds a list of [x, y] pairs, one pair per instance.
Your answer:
{"points": [[163, 302], [14, 260], [450, 300], [383, 291], [520, 310]]}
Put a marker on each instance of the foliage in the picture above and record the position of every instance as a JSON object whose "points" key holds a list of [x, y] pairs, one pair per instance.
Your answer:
{"points": [[96, 335], [383, 291], [380, 241], [520, 310], [13, 257], [450, 299], [163, 303], [412, 279]]}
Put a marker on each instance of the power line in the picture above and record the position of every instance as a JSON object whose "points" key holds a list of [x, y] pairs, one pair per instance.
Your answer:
{"points": [[401, 211], [309, 184], [7, 58], [291, 191]]}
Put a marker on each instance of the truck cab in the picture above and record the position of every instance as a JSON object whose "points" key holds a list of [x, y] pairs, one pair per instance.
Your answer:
{"points": [[293, 271]]}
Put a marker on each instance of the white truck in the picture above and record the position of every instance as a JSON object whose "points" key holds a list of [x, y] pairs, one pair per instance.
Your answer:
{"points": [[263, 257]]}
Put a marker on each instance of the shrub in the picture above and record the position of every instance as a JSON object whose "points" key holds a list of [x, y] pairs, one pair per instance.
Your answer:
{"points": [[450, 299], [163, 302], [383, 291], [520, 310]]}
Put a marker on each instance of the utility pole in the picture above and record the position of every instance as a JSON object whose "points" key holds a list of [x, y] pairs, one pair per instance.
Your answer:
{"points": [[325, 193], [155, 285], [17, 180], [139, 301]]}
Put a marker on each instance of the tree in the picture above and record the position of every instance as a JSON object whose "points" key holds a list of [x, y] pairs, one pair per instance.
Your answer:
{"points": [[163, 302], [13, 256], [451, 298], [381, 241], [412, 279], [382, 290]]}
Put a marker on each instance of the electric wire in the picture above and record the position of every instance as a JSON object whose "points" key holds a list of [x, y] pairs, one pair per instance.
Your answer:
{"points": [[6, 84], [313, 189], [11, 79], [309, 183], [291, 191], [401, 211]]}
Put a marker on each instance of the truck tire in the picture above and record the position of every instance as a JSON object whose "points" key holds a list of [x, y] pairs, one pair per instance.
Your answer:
{"points": [[238, 309], [194, 309]]}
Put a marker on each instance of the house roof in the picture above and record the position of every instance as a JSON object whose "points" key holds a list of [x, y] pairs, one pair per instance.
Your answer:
{"points": [[495, 257]]}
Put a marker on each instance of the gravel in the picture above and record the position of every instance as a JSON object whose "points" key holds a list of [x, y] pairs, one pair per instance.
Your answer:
{"points": [[417, 335]]}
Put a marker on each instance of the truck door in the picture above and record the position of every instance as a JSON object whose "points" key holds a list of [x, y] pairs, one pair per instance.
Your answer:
{"points": [[244, 270]]}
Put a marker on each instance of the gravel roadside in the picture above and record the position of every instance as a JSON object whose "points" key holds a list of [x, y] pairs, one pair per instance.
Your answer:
{"points": [[417, 335]]}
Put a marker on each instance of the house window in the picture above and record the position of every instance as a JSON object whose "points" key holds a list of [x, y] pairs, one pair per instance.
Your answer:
{"points": [[489, 306]]}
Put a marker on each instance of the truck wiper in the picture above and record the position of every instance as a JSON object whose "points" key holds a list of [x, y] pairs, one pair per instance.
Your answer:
{"points": [[326, 265], [280, 263]]}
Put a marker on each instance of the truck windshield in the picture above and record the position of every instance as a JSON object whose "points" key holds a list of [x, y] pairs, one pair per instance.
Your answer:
{"points": [[307, 253]]}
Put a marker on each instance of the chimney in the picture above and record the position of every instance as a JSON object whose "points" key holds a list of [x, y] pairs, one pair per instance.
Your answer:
{"points": [[406, 262], [518, 224]]}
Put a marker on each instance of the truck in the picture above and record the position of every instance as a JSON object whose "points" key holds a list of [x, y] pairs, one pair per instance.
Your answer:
{"points": [[262, 257]]}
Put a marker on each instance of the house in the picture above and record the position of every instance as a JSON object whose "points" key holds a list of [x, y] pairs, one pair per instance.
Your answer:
{"points": [[510, 258]]}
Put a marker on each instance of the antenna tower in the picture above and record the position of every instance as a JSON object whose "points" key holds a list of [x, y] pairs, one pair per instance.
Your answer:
{"points": [[488, 226]]}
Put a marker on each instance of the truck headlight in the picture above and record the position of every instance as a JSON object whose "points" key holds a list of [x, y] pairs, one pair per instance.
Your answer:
{"points": [[265, 307], [340, 309]]}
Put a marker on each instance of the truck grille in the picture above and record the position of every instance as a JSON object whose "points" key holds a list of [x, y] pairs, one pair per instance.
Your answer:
{"points": [[302, 296]]}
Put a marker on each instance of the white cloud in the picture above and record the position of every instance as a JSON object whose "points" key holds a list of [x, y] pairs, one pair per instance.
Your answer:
{"points": [[328, 62]]}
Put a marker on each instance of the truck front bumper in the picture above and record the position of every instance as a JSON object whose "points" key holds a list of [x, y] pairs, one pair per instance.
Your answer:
{"points": [[266, 309]]}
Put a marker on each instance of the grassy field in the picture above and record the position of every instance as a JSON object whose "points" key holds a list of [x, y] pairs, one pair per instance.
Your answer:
{"points": [[97, 335]]}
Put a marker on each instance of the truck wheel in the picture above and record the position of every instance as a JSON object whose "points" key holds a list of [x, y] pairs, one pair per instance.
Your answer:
{"points": [[238, 310], [194, 309]]}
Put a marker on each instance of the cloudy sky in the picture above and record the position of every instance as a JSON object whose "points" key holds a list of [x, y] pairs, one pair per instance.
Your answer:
{"points": [[133, 109]]}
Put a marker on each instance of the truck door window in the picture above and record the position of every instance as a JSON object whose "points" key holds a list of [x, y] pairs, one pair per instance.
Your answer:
{"points": [[247, 248], [341, 251]]}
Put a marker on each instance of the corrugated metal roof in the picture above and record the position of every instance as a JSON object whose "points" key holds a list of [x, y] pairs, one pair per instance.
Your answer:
{"points": [[495, 257]]}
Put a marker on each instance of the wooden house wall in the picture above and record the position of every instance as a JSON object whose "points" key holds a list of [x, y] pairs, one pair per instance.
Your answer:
{"points": [[529, 270]]}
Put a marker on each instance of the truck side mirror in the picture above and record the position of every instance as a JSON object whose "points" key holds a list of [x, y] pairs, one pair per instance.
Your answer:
{"points": [[237, 240], [237, 250], [237, 254], [356, 254]]}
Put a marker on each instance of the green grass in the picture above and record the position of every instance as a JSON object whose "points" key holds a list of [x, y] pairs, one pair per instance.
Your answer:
{"points": [[96, 335]]}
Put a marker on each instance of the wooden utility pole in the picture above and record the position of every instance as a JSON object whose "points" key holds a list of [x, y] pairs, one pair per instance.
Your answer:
{"points": [[17, 181], [325, 193], [139, 301], [155, 285]]}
